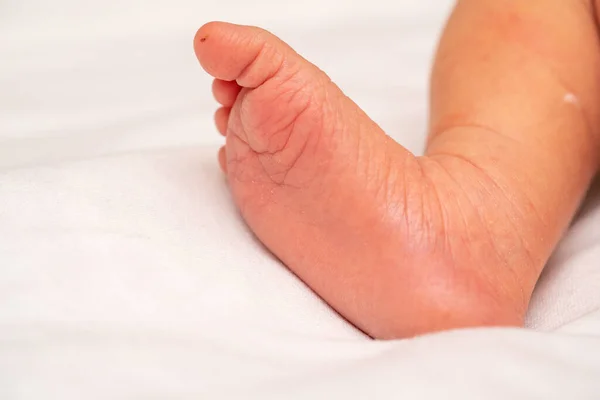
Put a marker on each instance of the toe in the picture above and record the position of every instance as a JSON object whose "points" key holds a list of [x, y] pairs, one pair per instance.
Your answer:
{"points": [[222, 119], [223, 159], [245, 54], [225, 92]]}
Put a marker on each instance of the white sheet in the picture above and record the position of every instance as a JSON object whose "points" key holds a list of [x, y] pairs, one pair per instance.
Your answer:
{"points": [[124, 269]]}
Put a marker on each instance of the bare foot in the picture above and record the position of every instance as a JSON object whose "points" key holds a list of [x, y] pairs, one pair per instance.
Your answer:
{"points": [[397, 244]]}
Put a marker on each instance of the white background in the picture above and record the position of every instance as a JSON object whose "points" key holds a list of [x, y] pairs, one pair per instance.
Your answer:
{"points": [[125, 271]]}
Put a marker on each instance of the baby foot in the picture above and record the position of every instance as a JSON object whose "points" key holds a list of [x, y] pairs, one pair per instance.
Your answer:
{"points": [[399, 245]]}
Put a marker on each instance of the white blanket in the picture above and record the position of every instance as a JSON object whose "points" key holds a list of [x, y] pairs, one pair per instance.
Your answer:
{"points": [[125, 271]]}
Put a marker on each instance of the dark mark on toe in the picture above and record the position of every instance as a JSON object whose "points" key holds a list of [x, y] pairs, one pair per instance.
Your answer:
{"points": [[202, 40]]}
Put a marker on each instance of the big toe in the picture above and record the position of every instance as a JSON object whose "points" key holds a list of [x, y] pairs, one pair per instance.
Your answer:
{"points": [[246, 54]]}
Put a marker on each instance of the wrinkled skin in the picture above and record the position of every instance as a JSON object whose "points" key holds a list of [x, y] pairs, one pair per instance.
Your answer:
{"points": [[403, 245]]}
